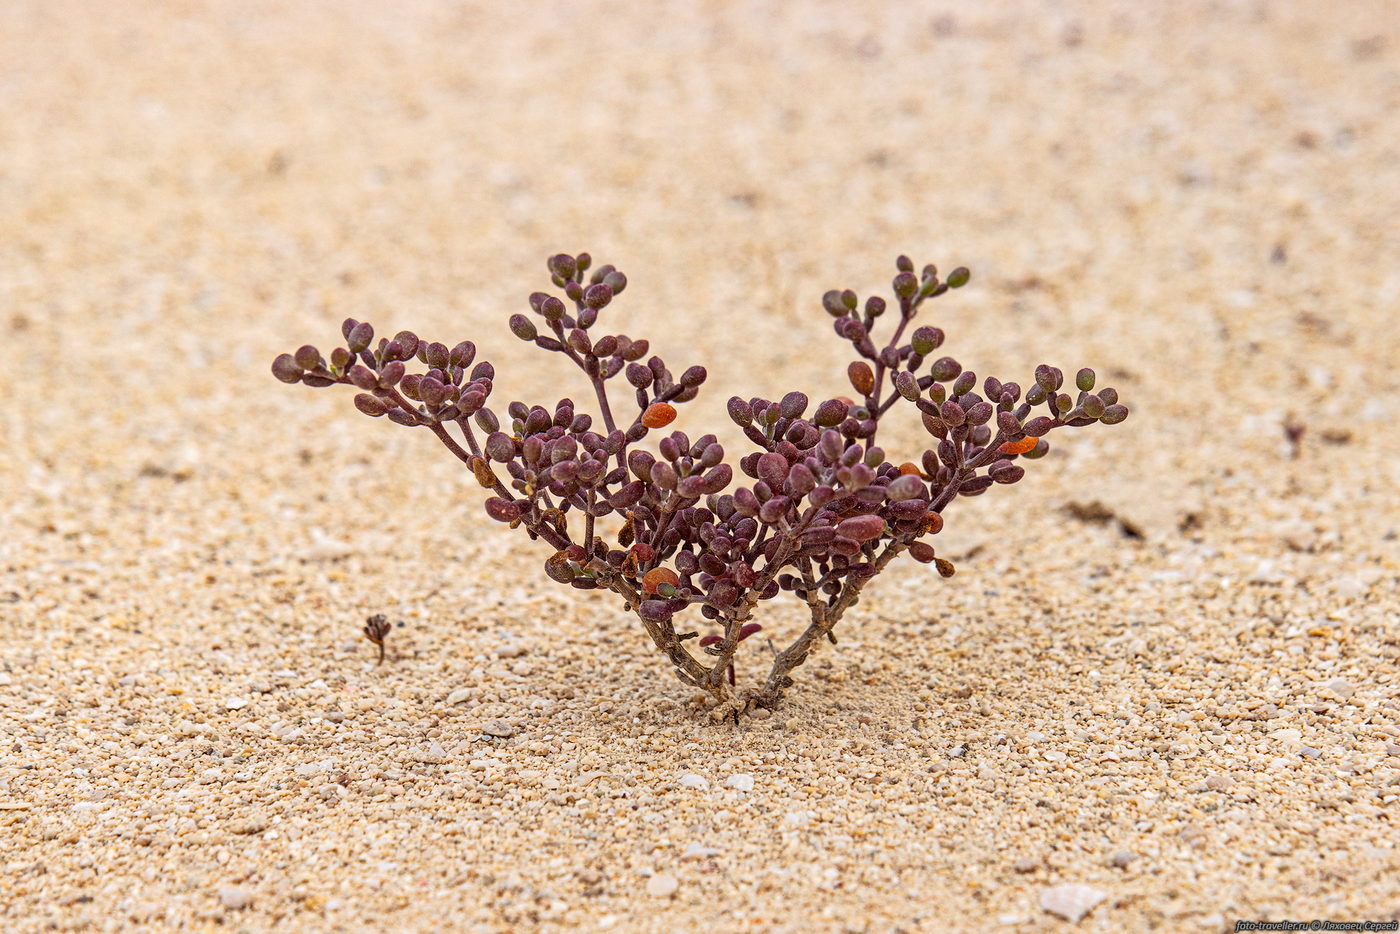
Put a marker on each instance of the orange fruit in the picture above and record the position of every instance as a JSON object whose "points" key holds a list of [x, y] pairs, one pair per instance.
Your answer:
{"points": [[862, 377], [659, 415], [1019, 447], [658, 576]]}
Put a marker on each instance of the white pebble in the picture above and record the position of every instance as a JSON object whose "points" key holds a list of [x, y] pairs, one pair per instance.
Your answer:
{"points": [[695, 851], [1341, 687], [740, 782], [431, 753], [236, 703], [235, 897], [662, 885], [1265, 572], [698, 782], [459, 696], [1349, 586], [1071, 901]]}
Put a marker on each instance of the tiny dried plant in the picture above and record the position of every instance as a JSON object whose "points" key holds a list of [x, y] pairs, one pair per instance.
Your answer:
{"points": [[820, 511], [377, 631]]}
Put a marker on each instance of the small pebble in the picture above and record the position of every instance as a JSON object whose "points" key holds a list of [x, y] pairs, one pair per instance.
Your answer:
{"points": [[698, 782], [740, 782], [1071, 901], [694, 851], [1349, 586], [433, 752], [498, 728], [1265, 572], [662, 885], [1342, 688], [235, 897], [459, 696], [236, 703], [1122, 859]]}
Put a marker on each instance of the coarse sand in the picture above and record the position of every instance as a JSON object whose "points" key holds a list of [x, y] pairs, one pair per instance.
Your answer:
{"points": [[1161, 692]]}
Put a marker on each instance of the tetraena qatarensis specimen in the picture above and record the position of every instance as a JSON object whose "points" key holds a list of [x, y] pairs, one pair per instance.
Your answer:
{"points": [[821, 509]]}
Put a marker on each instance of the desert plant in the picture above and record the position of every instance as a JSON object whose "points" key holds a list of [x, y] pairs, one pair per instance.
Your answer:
{"points": [[377, 631], [822, 512]]}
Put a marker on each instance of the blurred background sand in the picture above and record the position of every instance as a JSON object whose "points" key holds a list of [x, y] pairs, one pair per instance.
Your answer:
{"points": [[1166, 669]]}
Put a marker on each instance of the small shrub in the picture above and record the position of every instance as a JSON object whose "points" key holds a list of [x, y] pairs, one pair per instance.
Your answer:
{"points": [[821, 509]]}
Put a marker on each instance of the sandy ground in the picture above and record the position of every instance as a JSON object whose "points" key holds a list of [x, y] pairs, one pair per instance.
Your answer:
{"points": [[1188, 704]]}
